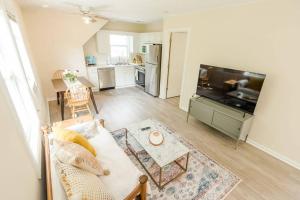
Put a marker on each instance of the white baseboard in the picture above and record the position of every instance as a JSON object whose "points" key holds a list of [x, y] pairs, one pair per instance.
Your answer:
{"points": [[274, 154], [125, 86]]}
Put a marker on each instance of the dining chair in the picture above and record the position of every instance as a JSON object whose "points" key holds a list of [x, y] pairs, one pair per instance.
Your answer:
{"points": [[58, 74], [78, 99]]}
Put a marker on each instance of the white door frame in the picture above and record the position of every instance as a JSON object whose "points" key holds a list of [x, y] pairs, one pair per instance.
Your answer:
{"points": [[167, 61]]}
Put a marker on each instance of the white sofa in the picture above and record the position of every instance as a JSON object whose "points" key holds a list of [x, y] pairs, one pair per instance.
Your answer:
{"points": [[124, 179]]}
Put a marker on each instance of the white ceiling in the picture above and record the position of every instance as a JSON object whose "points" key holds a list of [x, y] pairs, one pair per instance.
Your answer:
{"points": [[135, 10]]}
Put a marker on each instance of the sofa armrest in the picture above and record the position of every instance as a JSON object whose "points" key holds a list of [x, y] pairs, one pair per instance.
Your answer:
{"points": [[139, 190]]}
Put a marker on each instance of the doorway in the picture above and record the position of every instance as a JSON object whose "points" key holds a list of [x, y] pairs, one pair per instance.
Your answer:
{"points": [[177, 55]]}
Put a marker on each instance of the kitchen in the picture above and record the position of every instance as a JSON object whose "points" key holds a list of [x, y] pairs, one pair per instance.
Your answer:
{"points": [[117, 59]]}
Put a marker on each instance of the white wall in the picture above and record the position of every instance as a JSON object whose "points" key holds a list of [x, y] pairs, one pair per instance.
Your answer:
{"points": [[124, 26], [13, 7], [57, 40], [156, 26], [19, 176], [261, 37], [90, 47]]}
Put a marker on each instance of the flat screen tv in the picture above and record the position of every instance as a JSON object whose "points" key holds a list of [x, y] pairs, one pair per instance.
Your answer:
{"points": [[235, 88]]}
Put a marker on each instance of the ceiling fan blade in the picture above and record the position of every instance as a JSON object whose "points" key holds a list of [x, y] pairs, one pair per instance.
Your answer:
{"points": [[99, 8], [88, 12], [93, 20], [100, 17]]}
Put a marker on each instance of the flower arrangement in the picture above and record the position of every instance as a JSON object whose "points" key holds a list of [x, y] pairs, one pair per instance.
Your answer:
{"points": [[70, 75]]}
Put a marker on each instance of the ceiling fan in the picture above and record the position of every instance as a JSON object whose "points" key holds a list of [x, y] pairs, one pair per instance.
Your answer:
{"points": [[88, 17], [88, 13]]}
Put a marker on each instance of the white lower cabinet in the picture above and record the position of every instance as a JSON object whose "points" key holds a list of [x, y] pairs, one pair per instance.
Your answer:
{"points": [[125, 76], [93, 77]]}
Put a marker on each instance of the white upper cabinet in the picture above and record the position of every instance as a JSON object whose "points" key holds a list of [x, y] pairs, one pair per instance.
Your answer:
{"points": [[103, 41], [103, 47], [139, 39], [153, 37], [149, 38], [157, 37]]}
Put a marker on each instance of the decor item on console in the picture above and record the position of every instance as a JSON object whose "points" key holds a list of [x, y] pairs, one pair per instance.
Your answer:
{"points": [[226, 100]]}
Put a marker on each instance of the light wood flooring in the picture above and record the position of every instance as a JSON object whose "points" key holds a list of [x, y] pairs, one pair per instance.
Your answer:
{"points": [[263, 177]]}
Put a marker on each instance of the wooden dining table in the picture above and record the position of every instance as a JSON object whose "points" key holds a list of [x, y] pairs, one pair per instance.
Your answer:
{"points": [[60, 88]]}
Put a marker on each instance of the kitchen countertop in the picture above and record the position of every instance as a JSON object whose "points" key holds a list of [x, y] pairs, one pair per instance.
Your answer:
{"points": [[112, 66]]}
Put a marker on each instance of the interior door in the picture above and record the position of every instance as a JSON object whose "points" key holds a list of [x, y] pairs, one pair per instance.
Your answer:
{"points": [[176, 63]]}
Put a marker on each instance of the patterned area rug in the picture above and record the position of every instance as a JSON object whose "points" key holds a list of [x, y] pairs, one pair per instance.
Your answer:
{"points": [[204, 180]]}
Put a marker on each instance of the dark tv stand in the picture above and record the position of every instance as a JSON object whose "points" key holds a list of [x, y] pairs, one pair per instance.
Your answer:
{"points": [[230, 121]]}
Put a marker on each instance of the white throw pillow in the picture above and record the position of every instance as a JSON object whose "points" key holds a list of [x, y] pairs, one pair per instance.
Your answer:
{"points": [[80, 184], [76, 155], [87, 129]]}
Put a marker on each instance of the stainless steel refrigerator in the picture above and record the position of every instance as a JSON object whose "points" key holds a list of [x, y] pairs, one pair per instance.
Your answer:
{"points": [[152, 68]]}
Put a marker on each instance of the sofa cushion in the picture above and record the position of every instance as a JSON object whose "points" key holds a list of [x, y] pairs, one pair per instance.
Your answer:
{"points": [[124, 175], [80, 184], [87, 129], [76, 155], [73, 136]]}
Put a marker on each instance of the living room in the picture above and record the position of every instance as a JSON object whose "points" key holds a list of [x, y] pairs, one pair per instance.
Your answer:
{"points": [[257, 38]]}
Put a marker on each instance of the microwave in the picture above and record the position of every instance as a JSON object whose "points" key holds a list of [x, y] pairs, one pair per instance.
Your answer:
{"points": [[145, 48]]}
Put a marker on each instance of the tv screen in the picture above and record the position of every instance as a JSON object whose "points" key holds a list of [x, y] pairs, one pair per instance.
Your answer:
{"points": [[235, 88]]}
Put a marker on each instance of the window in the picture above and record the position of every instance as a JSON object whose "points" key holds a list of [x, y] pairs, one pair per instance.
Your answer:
{"points": [[16, 72], [22, 53], [121, 46]]}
